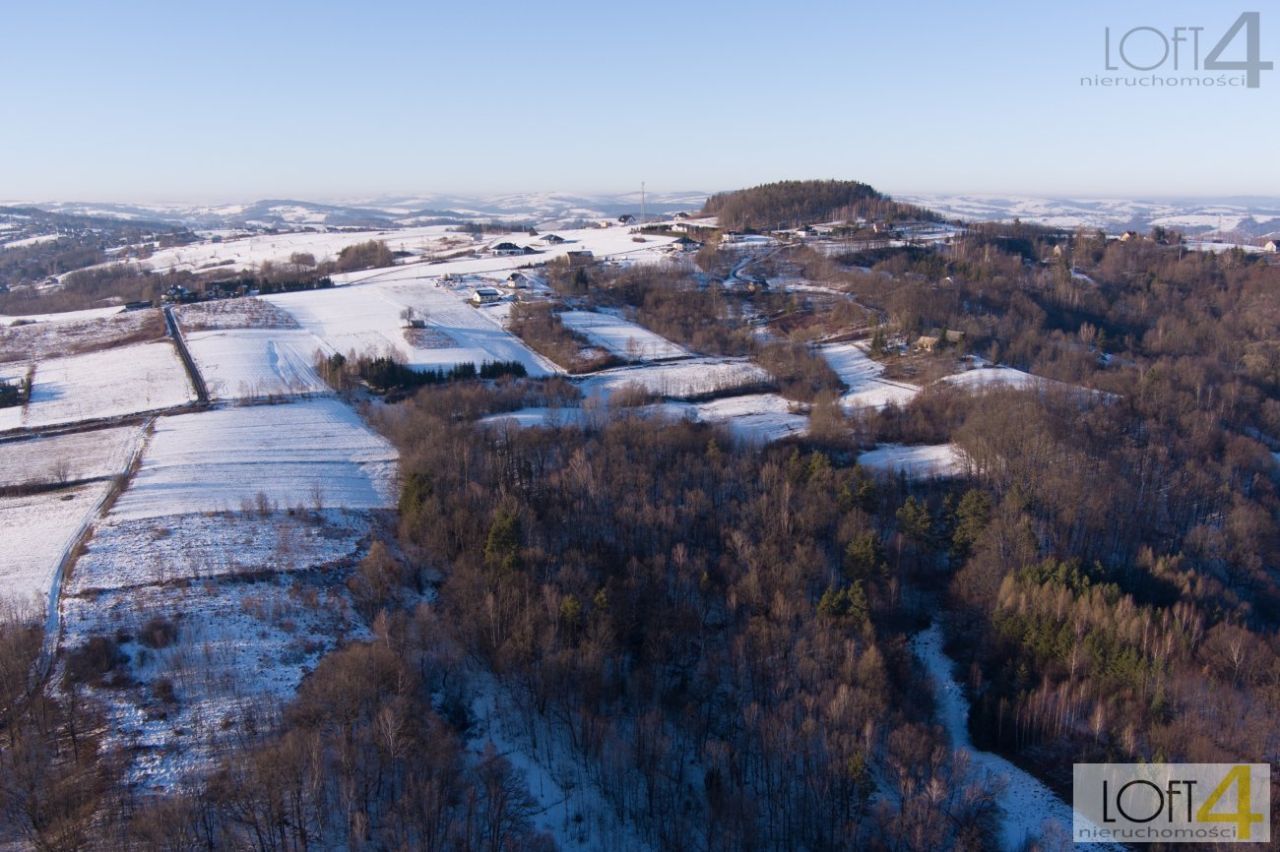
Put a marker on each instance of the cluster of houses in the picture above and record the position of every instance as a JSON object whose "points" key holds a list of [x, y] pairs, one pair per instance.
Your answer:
{"points": [[507, 249]]}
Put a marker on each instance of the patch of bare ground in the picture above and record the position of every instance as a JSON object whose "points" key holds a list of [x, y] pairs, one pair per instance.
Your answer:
{"points": [[428, 338], [919, 368]]}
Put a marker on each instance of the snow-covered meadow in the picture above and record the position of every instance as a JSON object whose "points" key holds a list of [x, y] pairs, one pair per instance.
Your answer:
{"points": [[110, 383], [863, 376], [921, 461], [371, 319], [252, 363], [691, 377], [67, 458], [38, 530], [313, 453], [754, 418], [238, 650], [622, 338], [128, 552]]}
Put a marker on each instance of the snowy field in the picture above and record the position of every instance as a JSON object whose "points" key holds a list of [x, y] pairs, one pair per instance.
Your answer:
{"points": [[252, 251], [622, 338], [307, 453], [37, 530], [689, 378], [110, 383], [50, 338], [66, 316], [68, 458], [754, 418], [915, 462], [368, 319], [615, 244], [252, 363], [985, 377], [241, 651], [424, 245], [863, 377], [125, 553]]}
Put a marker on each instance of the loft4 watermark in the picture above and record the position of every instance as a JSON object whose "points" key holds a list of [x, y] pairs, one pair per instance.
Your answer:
{"points": [[1183, 57], [1171, 803]]}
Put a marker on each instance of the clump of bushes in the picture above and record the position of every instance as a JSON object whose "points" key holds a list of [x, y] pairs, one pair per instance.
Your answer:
{"points": [[94, 660], [158, 633]]}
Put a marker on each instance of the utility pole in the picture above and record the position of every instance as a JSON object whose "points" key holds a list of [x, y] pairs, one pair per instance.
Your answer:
{"points": [[642, 216]]}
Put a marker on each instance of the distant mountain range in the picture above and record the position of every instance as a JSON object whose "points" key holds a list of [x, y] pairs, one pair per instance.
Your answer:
{"points": [[1241, 218], [397, 211], [1234, 217]]}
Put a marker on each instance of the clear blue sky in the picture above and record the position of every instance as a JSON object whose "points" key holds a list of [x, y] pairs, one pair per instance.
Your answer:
{"points": [[236, 100]]}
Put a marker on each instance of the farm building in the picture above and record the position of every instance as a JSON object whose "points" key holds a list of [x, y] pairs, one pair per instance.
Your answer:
{"points": [[933, 341], [486, 295], [579, 259]]}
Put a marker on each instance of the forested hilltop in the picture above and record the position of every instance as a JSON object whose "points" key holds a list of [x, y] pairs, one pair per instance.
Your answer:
{"points": [[794, 203]]}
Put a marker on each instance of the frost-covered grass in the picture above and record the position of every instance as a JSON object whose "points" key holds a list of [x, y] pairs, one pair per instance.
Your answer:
{"points": [[125, 553], [110, 383], [682, 379], [863, 376], [36, 531], [622, 338], [49, 337], [307, 453], [67, 458], [252, 363], [247, 312], [241, 650], [915, 462]]}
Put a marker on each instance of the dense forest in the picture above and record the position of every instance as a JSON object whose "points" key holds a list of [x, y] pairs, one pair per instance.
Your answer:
{"points": [[794, 203]]}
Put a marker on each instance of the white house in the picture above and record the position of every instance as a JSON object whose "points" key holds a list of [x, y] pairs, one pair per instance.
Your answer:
{"points": [[486, 295], [1272, 246]]}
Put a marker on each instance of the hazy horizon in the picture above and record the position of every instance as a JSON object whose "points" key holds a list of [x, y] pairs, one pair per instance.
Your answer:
{"points": [[323, 101], [657, 196]]}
